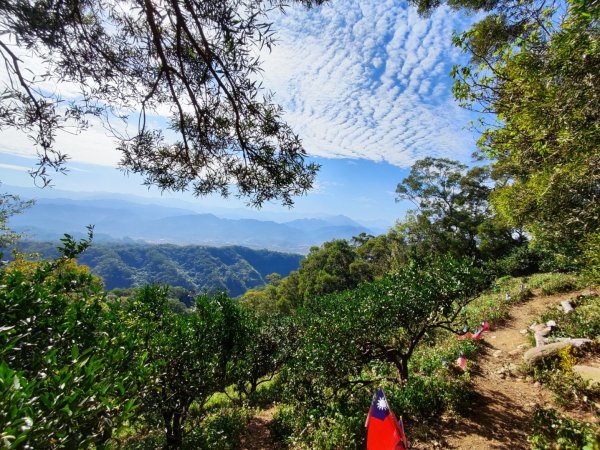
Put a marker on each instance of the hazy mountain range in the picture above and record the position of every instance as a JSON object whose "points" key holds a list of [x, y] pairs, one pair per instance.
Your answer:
{"points": [[127, 220]]}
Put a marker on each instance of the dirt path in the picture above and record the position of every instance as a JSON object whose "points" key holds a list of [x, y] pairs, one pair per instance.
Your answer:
{"points": [[258, 435], [503, 407]]}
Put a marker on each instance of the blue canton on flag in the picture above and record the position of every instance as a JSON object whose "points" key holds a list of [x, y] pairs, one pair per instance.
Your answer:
{"points": [[380, 409]]}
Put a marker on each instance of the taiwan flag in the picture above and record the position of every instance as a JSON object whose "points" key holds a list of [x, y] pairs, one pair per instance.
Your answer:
{"points": [[384, 432]]}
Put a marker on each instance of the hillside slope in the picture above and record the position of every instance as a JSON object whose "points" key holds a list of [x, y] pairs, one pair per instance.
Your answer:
{"points": [[197, 268]]}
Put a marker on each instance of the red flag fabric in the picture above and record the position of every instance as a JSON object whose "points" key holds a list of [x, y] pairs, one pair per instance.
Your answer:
{"points": [[461, 362], [384, 432]]}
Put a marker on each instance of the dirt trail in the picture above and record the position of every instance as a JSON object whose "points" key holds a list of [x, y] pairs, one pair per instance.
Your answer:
{"points": [[504, 402], [258, 435]]}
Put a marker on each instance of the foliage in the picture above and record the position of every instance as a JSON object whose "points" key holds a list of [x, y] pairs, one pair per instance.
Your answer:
{"points": [[543, 87], [554, 283], [582, 322], [221, 430], [380, 322], [10, 205], [65, 361], [196, 269], [551, 430], [195, 59], [557, 373], [591, 258], [453, 214], [185, 358], [268, 344]]}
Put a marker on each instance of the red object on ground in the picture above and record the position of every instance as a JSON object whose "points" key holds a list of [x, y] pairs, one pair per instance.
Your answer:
{"points": [[467, 335], [485, 326], [477, 335], [384, 432], [461, 362]]}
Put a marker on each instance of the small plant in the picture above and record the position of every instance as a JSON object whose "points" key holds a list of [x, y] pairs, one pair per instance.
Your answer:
{"points": [[553, 431], [555, 283]]}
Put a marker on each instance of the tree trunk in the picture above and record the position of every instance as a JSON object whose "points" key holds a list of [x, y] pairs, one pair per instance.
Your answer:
{"points": [[402, 366], [173, 430]]}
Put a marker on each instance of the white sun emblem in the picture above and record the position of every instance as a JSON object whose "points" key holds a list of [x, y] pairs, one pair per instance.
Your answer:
{"points": [[381, 403]]}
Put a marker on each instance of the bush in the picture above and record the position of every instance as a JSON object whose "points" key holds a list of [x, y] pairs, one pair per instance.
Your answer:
{"points": [[554, 431], [284, 423], [221, 430], [555, 283], [521, 261], [582, 322], [591, 258], [424, 397]]}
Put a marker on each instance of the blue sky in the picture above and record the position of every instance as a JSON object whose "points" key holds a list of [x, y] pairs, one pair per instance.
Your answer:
{"points": [[364, 83]]}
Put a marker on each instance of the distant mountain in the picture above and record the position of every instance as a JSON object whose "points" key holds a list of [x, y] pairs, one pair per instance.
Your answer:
{"points": [[197, 268], [121, 220]]}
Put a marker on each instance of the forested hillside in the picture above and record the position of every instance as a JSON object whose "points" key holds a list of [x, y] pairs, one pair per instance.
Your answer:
{"points": [[199, 269]]}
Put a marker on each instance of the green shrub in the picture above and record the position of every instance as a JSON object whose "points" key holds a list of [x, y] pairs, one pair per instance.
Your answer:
{"points": [[339, 431], [555, 283], [521, 261], [582, 322], [221, 430], [424, 397], [284, 423], [591, 259], [553, 431]]}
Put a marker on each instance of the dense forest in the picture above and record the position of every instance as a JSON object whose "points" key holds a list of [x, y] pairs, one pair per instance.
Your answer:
{"points": [[83, 368], [197, 269]]}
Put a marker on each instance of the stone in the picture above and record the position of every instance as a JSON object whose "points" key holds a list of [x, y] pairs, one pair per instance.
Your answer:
{"points": [[514, 352], [497, 353], [541, 328], [523, 331], [537, 354], [588, 373], [566, 306], [575, 342]]}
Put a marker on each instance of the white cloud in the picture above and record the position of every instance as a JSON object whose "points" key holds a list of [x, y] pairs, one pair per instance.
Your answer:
{"points": [[358, 79], [369, 80], [14, 167], [93, 145]]}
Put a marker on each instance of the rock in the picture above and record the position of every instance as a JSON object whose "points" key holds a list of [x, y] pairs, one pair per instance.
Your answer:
{"points": [[497, 353], [523, 331], [566, 306], [537, 384], [541, 329], [575, 342], [537, 354], [588, 373], [514, 352], [540, 340], [529, 379]]}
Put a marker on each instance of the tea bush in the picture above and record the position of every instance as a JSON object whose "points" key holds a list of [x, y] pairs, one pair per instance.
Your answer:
{"points": [[554, 431]]}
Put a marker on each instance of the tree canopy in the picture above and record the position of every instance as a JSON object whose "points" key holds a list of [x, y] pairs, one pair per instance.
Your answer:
{"points": [[196, 60]]}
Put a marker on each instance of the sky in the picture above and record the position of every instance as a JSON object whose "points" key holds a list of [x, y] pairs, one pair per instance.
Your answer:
{"points": [[364, 83]]}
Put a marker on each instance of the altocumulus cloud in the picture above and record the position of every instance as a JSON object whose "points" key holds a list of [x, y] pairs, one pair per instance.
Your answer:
{"points": [[369, 79]]}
